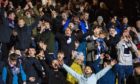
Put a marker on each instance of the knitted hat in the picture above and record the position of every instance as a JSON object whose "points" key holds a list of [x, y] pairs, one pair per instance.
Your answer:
{"points": [[78, 55], [99, 18]]}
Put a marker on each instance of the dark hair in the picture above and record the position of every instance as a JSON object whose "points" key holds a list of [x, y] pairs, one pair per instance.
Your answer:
{"points": [[91, 66], [42, 40], [60, 51], [10, 12], [13, 56], [79, 35], [107, 61]]}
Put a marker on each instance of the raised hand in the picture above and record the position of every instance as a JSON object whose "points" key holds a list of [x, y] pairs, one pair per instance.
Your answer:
{"points": [[113, 62], [11, 4], [32, 79], [30, 4], [6, 3], [134, 29], [61, 62], [60, 56], [26, 7]]}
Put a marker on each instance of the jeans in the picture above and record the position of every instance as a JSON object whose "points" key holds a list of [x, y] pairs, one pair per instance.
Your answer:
{"points": [[124, 71]]}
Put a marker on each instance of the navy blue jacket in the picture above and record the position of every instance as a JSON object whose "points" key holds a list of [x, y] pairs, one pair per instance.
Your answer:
{"points": [[111, 43], [108, 78], [5, 31], [33, 68], [66, 48], [24, 35]]}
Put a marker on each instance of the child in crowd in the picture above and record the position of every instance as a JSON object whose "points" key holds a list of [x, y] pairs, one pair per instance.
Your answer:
{"points": [[13, 70]]}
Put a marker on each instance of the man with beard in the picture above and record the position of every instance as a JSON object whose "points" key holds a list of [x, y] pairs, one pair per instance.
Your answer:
{"points": [[55, 76]]}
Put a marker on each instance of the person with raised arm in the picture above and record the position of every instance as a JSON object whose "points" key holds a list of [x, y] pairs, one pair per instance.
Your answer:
{"points": [[88, 76]]}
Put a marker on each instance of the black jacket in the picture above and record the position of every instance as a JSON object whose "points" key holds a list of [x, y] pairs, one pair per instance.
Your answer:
{"points": [[111, 43], [5, 31], [49, 39], [65, 47], [33, 68], [24, 35], [54, 77]]}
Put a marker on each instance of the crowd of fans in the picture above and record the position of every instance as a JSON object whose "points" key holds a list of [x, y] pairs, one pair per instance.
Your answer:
{"points": [[69, 42]]}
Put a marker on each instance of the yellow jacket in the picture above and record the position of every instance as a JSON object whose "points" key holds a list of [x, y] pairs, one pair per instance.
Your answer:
{"points": [[76, 67]]}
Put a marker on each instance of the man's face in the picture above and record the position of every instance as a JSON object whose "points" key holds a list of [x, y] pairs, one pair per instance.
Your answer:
{"points": [[68, 32], [125, 20], [112, 31], [87, 70], [13, 62], [31, 51], [138, 24], [60, 56], [126, 33], [64, 16], [55, 64], [47, 24], [71, 25], [21, 23], [12, 16], [86, 16], [97, 31]]}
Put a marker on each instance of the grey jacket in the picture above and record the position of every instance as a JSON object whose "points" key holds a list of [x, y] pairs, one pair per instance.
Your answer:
{"points": [[125, 59]]}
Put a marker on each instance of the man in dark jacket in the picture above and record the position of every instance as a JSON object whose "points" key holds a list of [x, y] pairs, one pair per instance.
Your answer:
{"points": [[6, 26], [55, 76], [24, 34], [47, 35], [66, 44], [33, 68], [111, 42]]}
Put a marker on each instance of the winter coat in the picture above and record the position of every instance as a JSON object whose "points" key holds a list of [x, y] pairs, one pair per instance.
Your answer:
{"points": [[77, 68], [5, 31]]}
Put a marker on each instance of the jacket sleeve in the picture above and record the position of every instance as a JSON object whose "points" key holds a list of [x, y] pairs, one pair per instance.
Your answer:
{"points": [[46, 67], [72, 72], [102, 72], [38, 66], [119, 45], [23, 75], [4, 20], [4, 75], [66, 24], [134, 47], [96, 65], [34, 24], [51, 43]]}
